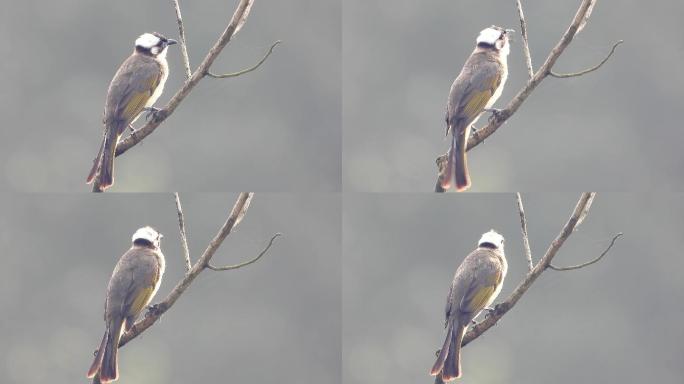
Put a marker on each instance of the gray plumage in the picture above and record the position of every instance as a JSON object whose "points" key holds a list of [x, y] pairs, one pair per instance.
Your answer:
{"points": [[476, 283], [133, 284]]}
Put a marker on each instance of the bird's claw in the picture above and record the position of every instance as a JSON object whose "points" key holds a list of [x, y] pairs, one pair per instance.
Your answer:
{"points": [[496, 113], [151, 113], [153, 310]]}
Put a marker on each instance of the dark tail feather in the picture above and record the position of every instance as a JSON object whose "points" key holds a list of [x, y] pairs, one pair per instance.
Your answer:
{"points": [[108, 154], [445, 177], [439, 364], [95, 366], [109, 369], [461, 176], [452, 364], [96, 164]]}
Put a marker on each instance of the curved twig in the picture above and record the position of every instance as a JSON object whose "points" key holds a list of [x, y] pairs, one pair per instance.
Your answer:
{"points": [[581, 209], [181, 228], [157, 310], [246, 263], [596, 260], [526, 46], [236, 23], [498, 119], [585, 71], [250, 69], [181, 34], [523, 227]]}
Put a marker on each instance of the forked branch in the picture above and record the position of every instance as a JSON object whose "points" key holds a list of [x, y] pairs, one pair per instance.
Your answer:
{"points": [[498, 119]]}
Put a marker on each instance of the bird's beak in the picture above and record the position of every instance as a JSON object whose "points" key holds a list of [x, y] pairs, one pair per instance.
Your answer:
{"points": [[508, 30], [171, 42]]}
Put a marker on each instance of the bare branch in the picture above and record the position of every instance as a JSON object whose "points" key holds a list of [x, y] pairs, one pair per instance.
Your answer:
{"points": [[184, 238], [237, 21], [592, 69], [238, 17], [246, 263], [526, 46], [181, 33], [157, 310], [500, 310], [523, 227], [250, 69], [596, 260], [498, 119]]}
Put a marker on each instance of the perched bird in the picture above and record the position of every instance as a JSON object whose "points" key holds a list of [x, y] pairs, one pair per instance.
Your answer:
{"points": [[136, 86], [476, 89], [134, 282], [477, 282]]}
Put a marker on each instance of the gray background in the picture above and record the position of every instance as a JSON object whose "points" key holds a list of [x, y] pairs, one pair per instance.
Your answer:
{"points": [[278, 320], [618, 321], [275, 129], [615, 129]]}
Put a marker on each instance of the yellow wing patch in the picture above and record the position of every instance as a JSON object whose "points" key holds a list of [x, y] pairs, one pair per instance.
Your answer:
{"points": [[479, 98], [137, 101], [142, 298], [480, 298]]}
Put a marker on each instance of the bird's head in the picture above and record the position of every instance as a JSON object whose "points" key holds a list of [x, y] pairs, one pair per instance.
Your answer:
{"points": [[492, 240], [147, 237], [153, 44]]}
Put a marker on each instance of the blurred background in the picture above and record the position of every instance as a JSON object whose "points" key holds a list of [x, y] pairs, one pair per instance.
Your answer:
{"points": [[616, 321], [274, 129], [276, 320], [615, 129]]}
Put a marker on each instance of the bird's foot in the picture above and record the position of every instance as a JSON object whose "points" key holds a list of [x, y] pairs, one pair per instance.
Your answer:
{"points": [[497, 114], [154, 310], [152, 113], [475, 133]]}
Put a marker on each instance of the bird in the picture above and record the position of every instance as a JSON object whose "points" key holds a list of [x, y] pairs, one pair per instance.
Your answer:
{"points": [[136, 86], [477, 282], [476, 89], [134, 282]]}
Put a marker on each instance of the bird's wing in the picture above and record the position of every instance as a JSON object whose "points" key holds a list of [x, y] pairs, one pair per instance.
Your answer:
{"points": [[131, 88], [470, 93], [486, 278]]}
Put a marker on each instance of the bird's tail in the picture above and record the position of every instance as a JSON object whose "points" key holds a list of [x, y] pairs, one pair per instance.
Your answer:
{"points": [[448, 364], [460, 162], [457, 164], [439, 364], [108, 154], [109, 369], [96, 164], [95, 366]]}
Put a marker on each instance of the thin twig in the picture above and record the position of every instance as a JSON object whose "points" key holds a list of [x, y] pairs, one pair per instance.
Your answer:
{"points": [[157, 310], [250, 69], [523, 226], [246, 263], [581, 209], [526, 46], [181, 33], [184, 238], [596, 260], [500, 310], [498, 119], [236, 23], [592, 69]]}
